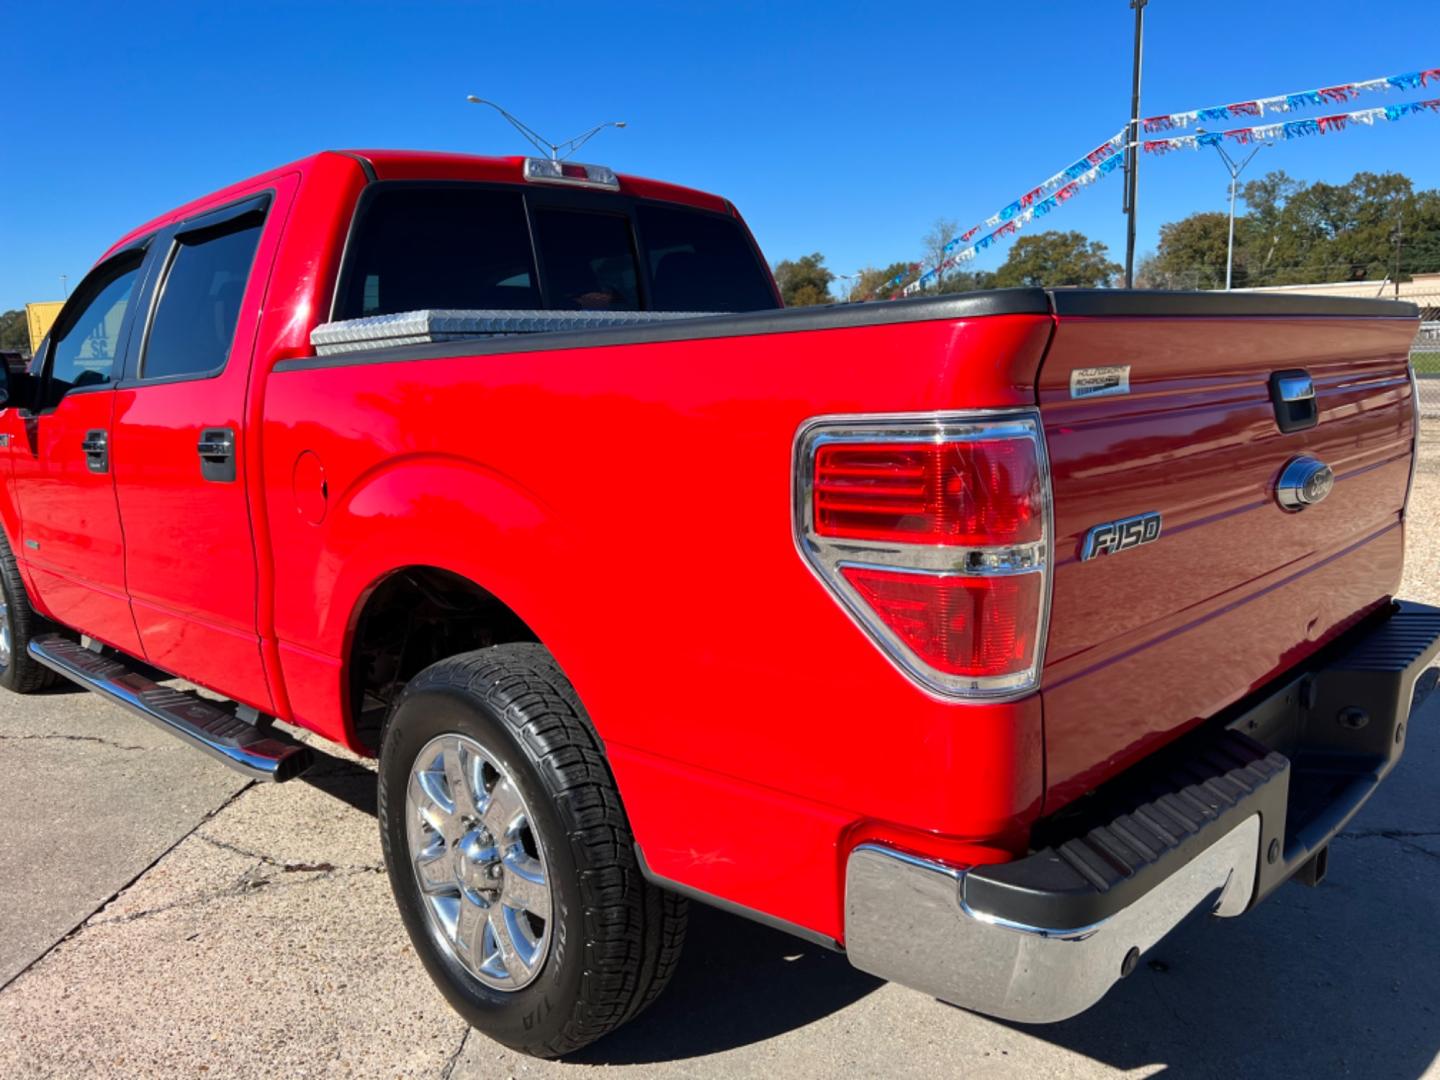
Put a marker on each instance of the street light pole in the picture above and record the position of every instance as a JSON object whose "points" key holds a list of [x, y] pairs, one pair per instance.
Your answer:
{"points": [[544, 145], [1132, 145], [1234, 170]]}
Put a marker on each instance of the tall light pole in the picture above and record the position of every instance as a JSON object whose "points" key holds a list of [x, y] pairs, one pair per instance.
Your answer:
{"points": [[1132, 145], [851, 280], [545, 146], [1234, 170]]}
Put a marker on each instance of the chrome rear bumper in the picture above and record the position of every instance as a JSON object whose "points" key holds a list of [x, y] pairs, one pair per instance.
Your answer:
{"points": [[1212, 824], [906, 920]]}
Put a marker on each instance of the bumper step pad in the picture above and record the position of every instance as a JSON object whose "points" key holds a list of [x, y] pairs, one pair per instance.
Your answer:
{"points": [[1084, 880]]}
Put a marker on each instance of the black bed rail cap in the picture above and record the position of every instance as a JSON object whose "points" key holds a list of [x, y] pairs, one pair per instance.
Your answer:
{"points": [[1165, 304]]}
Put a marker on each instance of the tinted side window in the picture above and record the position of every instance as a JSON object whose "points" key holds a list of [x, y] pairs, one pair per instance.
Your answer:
{"points": [[85, 349], [199, 305], [588, 260], [701, 262], [417, 248]]}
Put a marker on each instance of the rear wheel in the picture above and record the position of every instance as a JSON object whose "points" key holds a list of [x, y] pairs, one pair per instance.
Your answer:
{"points": [[511, 858], [18, 625]]}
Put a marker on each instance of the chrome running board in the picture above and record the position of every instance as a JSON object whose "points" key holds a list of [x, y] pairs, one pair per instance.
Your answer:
{"points": [[255, 751]]}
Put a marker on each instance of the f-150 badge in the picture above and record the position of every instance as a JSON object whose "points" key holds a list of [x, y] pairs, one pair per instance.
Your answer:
{"points": [[1113, 537]]}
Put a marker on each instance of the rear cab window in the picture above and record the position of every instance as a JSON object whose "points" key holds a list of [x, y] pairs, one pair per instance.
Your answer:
{"points": [[473, 246]]}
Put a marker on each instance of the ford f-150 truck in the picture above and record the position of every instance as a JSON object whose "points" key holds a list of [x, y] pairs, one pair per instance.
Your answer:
{"points": [[983, 637]]}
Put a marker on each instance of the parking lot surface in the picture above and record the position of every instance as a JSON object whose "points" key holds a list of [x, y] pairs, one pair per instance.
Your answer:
{"points": [[158, 915]]}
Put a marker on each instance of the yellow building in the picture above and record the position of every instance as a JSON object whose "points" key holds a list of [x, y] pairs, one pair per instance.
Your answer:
{"points": [[40, 317]]}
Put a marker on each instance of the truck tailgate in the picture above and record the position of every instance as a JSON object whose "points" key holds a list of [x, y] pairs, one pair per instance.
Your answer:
{"points": [[1146, 642]]}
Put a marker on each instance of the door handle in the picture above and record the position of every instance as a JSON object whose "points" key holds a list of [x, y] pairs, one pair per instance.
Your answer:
{"points": [[1292, 393], [96, 445], [217, 455]]}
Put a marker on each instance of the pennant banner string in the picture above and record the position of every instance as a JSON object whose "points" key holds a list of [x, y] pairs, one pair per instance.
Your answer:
{"points": [[1105, 158], [1325, 95], [1068, 177], [1292, 129], [1015, 222]]}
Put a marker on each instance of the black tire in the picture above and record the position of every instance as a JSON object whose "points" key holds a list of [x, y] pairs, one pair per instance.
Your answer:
{"points": [[21, 674], [616, 938]]}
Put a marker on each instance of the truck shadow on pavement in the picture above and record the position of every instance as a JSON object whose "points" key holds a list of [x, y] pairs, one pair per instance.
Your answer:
{"points": [[738, 983]]}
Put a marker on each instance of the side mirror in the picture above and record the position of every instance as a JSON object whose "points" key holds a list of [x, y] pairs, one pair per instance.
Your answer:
{"points": [[4, 385]]}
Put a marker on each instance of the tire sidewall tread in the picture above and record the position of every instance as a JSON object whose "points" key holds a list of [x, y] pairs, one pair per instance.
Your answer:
{"points": [[615, 937]]}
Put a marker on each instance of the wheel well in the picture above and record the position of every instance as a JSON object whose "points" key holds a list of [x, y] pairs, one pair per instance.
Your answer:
{"points": [[413, 618]]}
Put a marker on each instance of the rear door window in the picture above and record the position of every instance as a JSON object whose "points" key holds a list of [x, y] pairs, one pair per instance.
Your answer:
{"points": [[198, 308]]}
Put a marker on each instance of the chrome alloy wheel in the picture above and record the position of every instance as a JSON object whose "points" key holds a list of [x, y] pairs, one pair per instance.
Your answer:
{"points": [[6, 641], [479, 863]]}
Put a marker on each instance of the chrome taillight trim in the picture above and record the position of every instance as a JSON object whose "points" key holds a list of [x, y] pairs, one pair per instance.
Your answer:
{"points": [[827, 557]]}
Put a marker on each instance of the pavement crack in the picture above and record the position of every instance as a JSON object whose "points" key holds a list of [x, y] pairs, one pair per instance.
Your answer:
{"points": [[455, 1057], [74, 738], [289, 867]]}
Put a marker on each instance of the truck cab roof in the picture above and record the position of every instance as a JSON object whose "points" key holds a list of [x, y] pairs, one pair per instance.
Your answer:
{"points": [[417, 165]]}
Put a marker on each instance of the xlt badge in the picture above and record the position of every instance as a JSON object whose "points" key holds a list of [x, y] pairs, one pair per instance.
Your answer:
{"points": [[1113, 537]]}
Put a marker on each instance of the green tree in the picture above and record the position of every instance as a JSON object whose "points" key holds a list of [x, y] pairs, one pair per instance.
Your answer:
{"points": [[1056, 258], [876, 284], [1192, 252], [804, 282], [1297, 233], [14, 332]]}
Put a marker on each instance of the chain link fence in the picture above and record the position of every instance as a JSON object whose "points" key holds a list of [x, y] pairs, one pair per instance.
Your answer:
{"points": [[1425, 354]]}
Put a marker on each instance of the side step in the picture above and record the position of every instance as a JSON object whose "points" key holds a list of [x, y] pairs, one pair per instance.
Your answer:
{"points": [[205, 725]]}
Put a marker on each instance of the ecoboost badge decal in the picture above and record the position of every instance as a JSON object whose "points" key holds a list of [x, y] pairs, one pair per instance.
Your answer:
{"points": [[1099, 381]]}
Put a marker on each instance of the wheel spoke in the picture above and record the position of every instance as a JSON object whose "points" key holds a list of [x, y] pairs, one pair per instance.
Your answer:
{"points": [[469, 930], [502, 808], [525, 886], [516, 954], [427, 790], [457, 763], [435, 868]]}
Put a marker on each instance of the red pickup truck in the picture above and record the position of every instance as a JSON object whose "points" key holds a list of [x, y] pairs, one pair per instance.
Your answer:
{"points": [[984, 637]]}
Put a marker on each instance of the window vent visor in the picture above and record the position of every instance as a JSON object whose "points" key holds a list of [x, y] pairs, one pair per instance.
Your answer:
{"points": [[932, 531]]}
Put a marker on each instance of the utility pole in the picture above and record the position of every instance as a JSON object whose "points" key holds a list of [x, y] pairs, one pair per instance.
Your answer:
{"points": [[1132, 148], [64, 287]]}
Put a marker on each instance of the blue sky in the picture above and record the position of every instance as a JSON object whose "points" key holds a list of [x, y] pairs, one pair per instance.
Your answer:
{"points": [[843, 128]]}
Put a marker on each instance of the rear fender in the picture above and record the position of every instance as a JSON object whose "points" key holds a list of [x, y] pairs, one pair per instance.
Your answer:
{"points": [[434, 511]]}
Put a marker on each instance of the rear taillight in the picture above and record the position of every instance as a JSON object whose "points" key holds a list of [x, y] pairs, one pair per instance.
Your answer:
{"points": [[933, 533]]}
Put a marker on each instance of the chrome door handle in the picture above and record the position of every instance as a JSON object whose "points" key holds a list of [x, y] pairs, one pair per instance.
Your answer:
{"points": [[96, 445], [217, 455]]}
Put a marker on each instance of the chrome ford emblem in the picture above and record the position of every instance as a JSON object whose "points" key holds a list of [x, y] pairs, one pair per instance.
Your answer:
{"points": [[1303, 482]]}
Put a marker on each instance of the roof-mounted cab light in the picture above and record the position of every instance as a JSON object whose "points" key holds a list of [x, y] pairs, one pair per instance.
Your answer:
{"points": [[552, 171]]}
